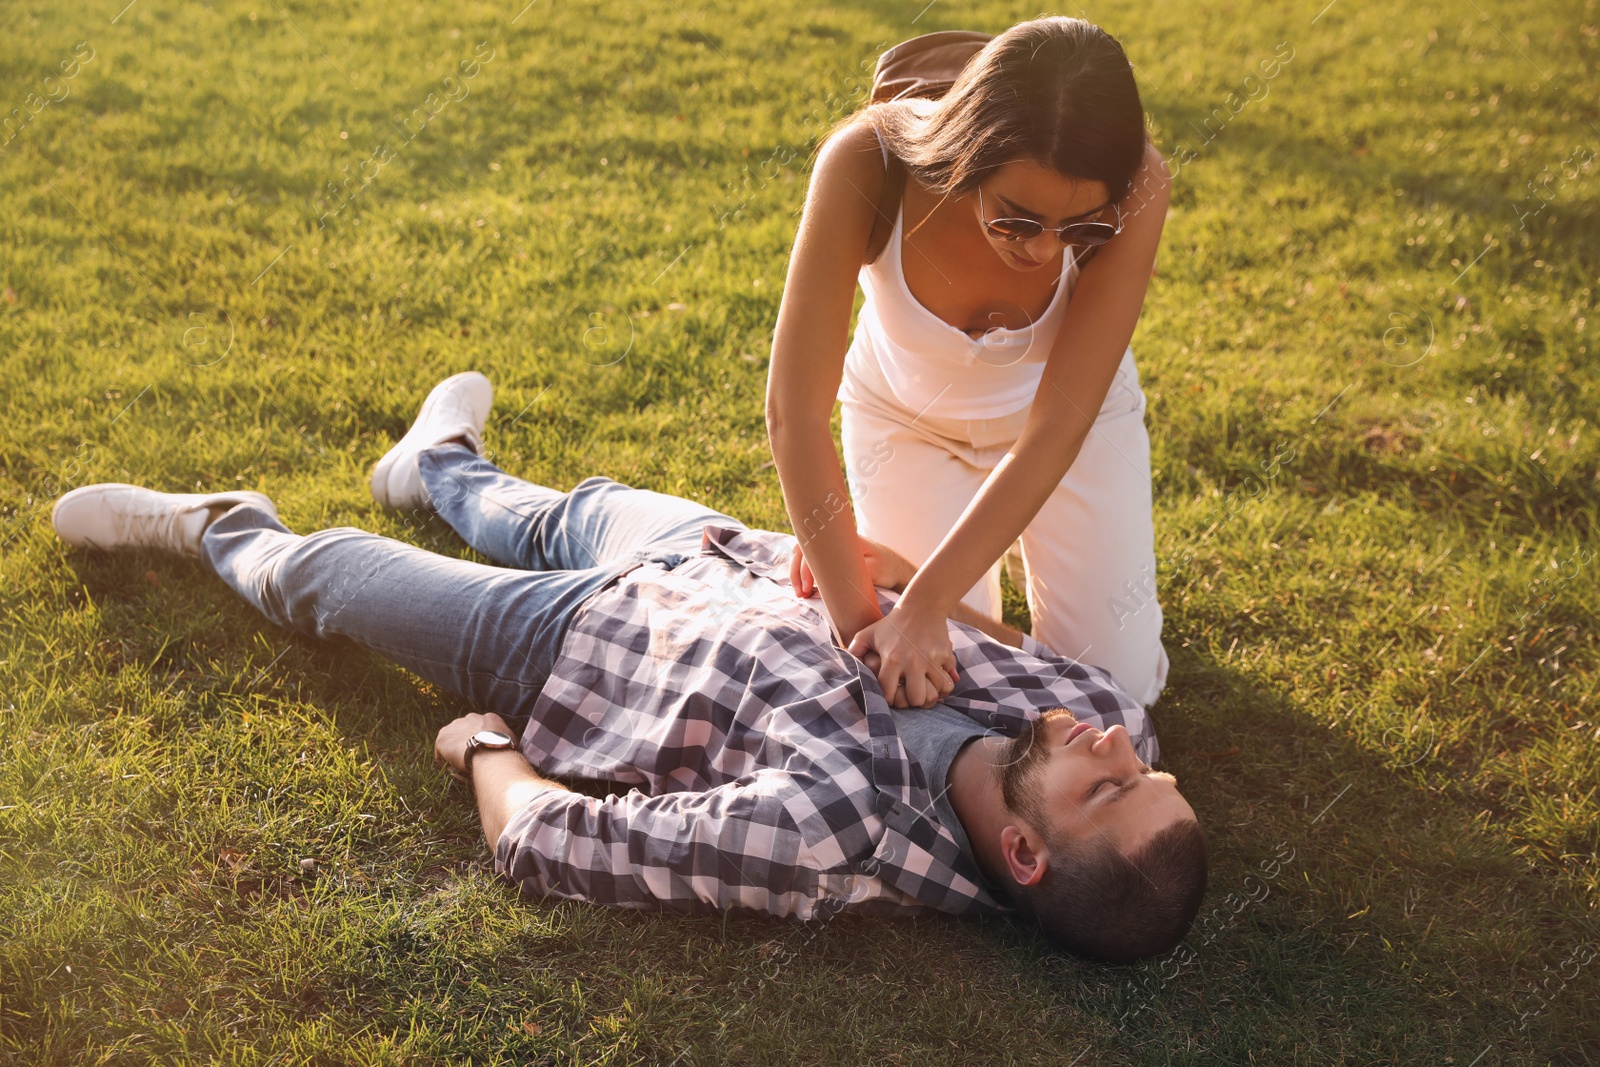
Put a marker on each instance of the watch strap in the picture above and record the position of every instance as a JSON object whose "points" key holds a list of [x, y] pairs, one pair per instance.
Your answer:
{"points": [[476, 744]]}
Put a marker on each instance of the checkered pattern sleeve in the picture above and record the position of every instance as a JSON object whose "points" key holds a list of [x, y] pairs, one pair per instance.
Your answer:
{"points": [[735, 845]]}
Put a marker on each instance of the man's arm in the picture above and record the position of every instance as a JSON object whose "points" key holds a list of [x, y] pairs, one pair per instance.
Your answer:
{"points": [[501, 778], [736, 844]]}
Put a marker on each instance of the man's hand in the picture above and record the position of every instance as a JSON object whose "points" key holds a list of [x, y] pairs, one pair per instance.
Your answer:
{"points": [[450, 747], [504, 786], [911, 655], [888, 568]]}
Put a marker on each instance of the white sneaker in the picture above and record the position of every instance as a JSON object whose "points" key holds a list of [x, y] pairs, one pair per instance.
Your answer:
{"points": [[457, 407], [112, 516]]}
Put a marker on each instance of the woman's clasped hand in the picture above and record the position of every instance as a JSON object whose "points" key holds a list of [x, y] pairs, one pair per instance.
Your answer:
{"points": [[908, 649]]}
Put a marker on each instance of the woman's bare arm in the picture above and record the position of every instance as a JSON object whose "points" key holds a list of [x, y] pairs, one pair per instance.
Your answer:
{"points": [[808, 352]]}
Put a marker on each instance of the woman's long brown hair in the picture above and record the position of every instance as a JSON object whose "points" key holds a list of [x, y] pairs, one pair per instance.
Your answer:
{"points": [[1054, 90]]}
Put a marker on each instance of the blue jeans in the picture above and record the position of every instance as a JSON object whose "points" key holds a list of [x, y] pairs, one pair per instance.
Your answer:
{"points": [[489, 634]]}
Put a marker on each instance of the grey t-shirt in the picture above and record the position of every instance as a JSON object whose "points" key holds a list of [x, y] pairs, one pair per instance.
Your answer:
{"points": [[933, 736]]}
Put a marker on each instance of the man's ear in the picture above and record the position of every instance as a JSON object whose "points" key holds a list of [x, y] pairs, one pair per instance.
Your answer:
{"points": [[1025, 856]]}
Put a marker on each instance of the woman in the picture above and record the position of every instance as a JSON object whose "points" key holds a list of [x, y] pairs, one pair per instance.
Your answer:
{"points": [[989, 392]]}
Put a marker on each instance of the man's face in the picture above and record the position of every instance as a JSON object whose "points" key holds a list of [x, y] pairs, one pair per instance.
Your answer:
{"points": [[1088, 783]]}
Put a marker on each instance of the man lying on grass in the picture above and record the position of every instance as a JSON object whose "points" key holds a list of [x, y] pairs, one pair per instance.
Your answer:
{"points": [[648, 641]]}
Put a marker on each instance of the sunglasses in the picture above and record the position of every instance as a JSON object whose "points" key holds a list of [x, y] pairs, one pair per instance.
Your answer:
{"points": [[1084, 234]]}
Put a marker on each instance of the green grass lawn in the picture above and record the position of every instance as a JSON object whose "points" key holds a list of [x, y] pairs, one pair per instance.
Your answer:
{"points": [[1367, 354]]}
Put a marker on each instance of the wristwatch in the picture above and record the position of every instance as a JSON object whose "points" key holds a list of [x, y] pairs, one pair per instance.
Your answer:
{"points": [[484, 739]]}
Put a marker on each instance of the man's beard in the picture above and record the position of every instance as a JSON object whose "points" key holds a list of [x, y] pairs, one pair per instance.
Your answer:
{"points": [[1017, 762]]}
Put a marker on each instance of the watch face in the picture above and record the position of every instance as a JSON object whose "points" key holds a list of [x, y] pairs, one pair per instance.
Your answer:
{"points": [[493, 739]]}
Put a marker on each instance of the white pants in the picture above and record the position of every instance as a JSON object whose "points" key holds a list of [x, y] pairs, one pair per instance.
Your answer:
{"points": [[1089, 553]]}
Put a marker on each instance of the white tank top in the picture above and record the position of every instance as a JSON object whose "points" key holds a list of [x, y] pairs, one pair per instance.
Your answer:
{"points": [[935, 368]]}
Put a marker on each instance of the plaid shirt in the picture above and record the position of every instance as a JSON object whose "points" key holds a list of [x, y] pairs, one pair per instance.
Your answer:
{"points": [[769, 772]]}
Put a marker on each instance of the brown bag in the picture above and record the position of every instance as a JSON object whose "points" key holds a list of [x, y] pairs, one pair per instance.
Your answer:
{"points": [[923, 67]]}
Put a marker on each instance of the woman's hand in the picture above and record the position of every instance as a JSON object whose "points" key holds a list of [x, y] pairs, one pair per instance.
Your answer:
{"points": [[888, 568], [909, 652], [915, 664]]}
